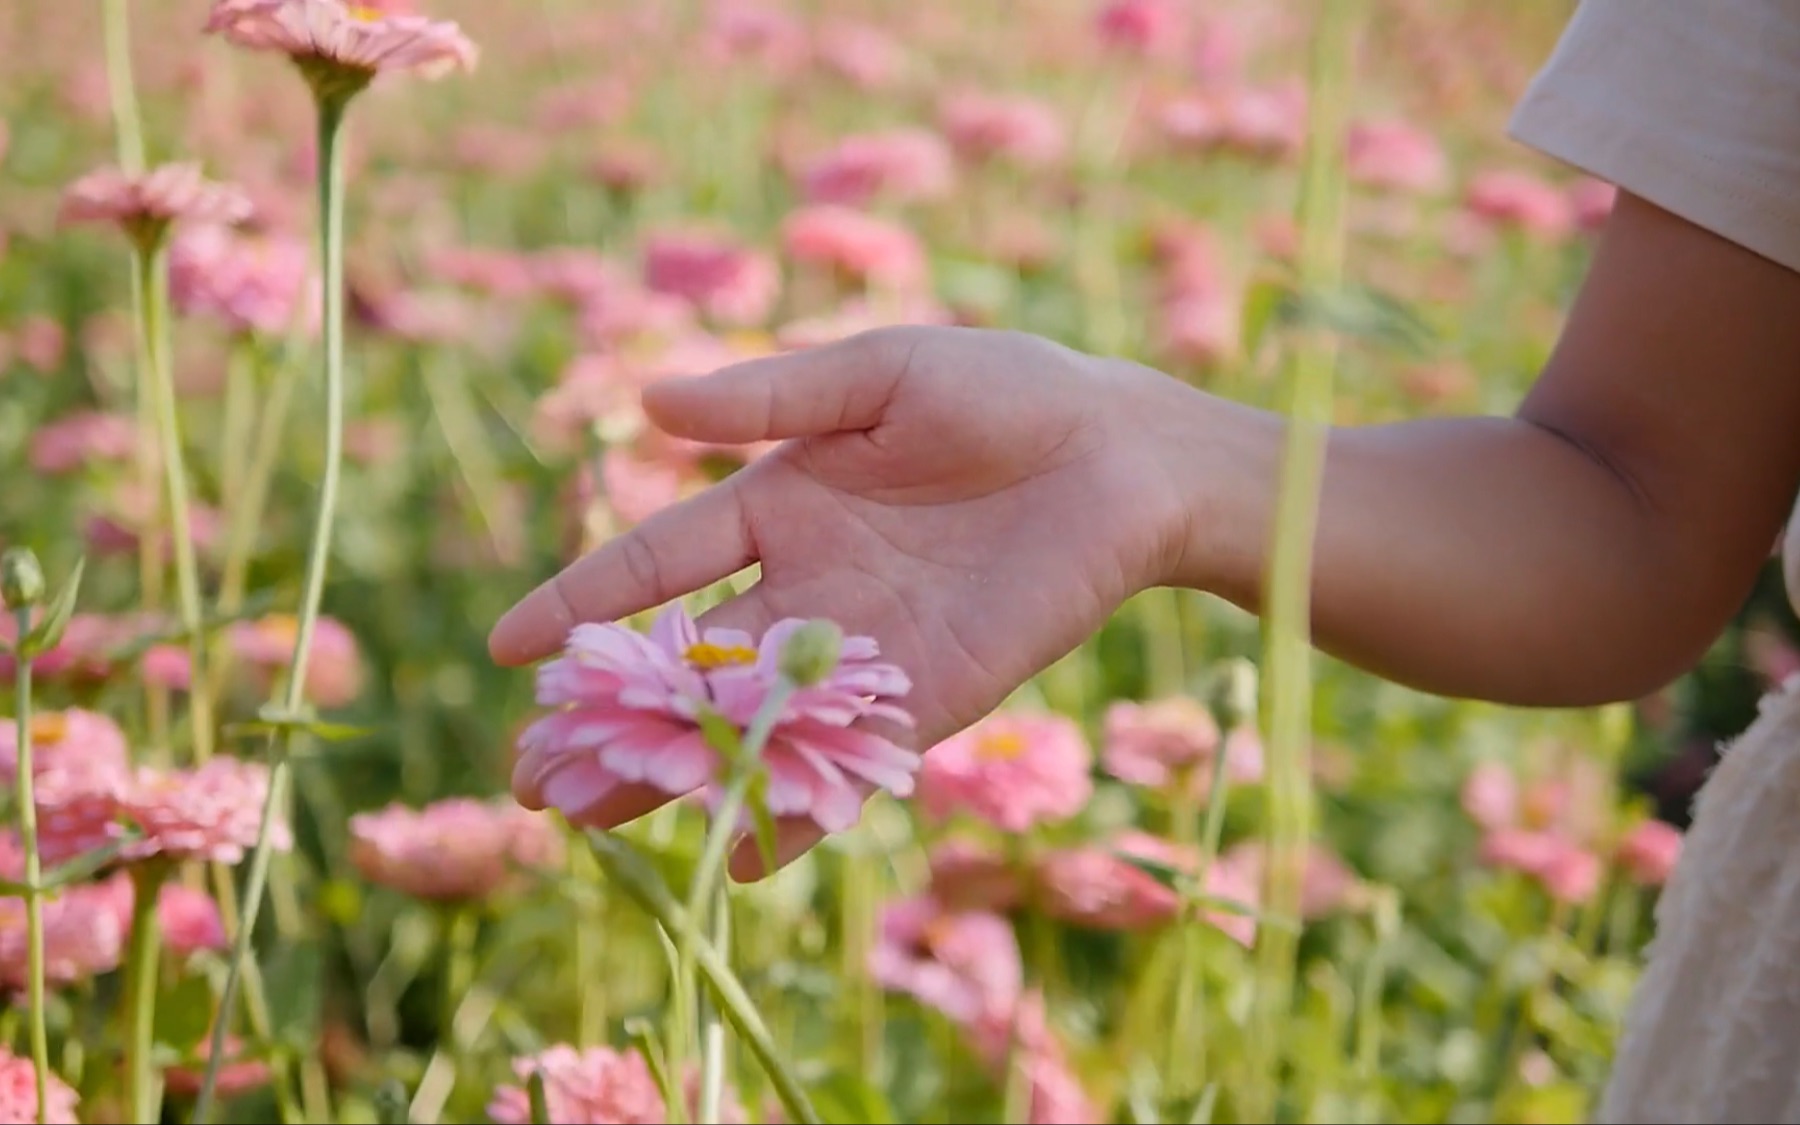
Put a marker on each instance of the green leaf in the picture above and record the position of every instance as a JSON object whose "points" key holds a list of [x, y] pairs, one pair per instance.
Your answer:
{"points": [[540, 1103], [184, 1014], [87, 863], [292, 978], [271, 720], [49, 631], [1262, 304], [721, 733], [847, 1096]]}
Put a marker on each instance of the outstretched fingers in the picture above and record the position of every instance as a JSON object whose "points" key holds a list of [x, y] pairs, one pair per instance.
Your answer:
{"points": [[673, 553]]}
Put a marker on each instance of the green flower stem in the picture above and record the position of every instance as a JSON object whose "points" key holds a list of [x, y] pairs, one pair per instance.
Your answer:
{"points": [[143, 1093], [628, 868], [122, 88], [1287, 632], [712, 1029], [331, 204], [153, 283], [26, 802]]}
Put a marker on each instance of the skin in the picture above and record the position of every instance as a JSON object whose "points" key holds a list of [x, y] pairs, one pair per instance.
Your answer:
{"points": [[981, 502]]}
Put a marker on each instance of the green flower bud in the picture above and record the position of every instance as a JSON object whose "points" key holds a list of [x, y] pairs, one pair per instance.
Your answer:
{"points": [[812, 652], [1236, 701], [21, 578]]}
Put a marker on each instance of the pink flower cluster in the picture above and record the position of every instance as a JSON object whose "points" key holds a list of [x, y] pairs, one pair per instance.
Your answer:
{"points": [[1197, 315], [454, 849], [249, 282], [595, 1086], [1013, 770], [148, 202], [628, 717], [333, 667], [1174, 743], [18, 1094]]}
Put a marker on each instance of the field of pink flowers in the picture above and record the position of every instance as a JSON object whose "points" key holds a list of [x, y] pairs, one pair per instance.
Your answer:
{"points": [[321, 335]]}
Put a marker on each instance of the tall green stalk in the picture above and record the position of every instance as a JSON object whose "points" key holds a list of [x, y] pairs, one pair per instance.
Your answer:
{"points": [[152, 282], [26, 802], [143, 1082], [1287, 651], [331, 245], [121, 88]]}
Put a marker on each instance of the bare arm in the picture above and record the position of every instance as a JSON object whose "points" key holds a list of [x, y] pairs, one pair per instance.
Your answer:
{"points": [[1588, 549]]}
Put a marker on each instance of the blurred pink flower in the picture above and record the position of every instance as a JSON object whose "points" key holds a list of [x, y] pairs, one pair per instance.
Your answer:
{"points": [[333, 667], [1520, 201], [627, 716], [40, 343], [1160, 743], [1591, 201], [86, 438], [210, 812], [249, 282], [1263, 122], [1490, 796], [1395, 156], [1014, 128], [458, 848], [189, 920], [1021, 1036], [498, 273], [1013, 770], [964, 964], [901, 165], [67, 747], [1327, 884], [84, 930], [1100, 888], [575, 274], [168, 667], [968, 876], [864, 247], [237, 1075], [1141, 27], [638, 487], [360, 39], [858, 315], [731, 284], [18, 1094], [144, 205], [592, 1086], [758, 31], [862, 54], [1649, 852], [1567, 871]]}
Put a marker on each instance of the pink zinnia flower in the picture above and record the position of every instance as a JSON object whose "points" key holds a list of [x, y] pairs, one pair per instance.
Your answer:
{"points": [[595, 1086], [248, 282], [189, 920], [333, 666], [1018, 129], [965, 964], [1649, 852], [144, 205], [1166, 741], [334, 42], [18, 1094], [638, 487], [1139, 26], [731, 284], [84, 930], [1490, 796], [167, 666], [902, 165], [40, 342], [629, 707], [1263, 122], [453, 849], [210, 812], [1395, 156], [84, 439], [1522, 202], [864, 247], [79, 761], [1013, 770], [1327, 884], [861, 54], [1100, 888], [237, 1075]]}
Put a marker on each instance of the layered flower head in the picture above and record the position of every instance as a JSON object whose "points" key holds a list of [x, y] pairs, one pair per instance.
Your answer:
{"points": [[963, 963], [454, 849], [144, 205], [630, 707], [210, 812], [596, 1086], [340, 47], [1012, 770], [84, 934], [18, 1094], [78, 768]]}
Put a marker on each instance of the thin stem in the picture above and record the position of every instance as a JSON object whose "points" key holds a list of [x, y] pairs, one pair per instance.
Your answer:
{"points": [[122, 88], [150, 560], [331, 201], [142, 1086], [152, 282], [712, 1028], [26, 801]]}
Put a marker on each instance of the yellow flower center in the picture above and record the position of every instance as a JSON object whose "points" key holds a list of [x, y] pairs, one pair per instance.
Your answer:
{"points": [[937, 932], [706, 657], [48, 728], [281, 628], [365, 14], [1001, 746]]}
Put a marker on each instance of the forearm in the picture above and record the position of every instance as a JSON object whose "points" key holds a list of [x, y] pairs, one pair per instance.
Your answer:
{"points": [[1485, 557]]}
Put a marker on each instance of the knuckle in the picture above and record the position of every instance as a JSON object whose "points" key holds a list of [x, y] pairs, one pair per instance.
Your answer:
{"points": [[642, 564]]}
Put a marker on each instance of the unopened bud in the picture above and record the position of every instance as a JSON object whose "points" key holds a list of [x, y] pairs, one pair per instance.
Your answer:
{"points": [[812, 652], [21, 578], [1236, 704]]}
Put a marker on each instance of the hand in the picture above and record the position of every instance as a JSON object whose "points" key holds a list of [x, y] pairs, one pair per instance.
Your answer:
{"points": [[979, 502]]}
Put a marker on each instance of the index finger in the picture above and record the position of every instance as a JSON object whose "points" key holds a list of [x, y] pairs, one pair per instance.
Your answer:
{"points": [[675, 552]]}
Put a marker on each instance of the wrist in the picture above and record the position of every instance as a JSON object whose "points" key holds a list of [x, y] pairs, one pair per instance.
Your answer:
{"points": [[1210, 467]]}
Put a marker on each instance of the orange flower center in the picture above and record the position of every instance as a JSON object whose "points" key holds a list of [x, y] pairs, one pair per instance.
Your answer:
{"points": [[49, 727], [1001, 746], [937, 933], [282, 628], [706, 657]]}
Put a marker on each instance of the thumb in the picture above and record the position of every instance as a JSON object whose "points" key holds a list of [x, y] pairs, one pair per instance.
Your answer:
{"points": [[837, 388]]}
